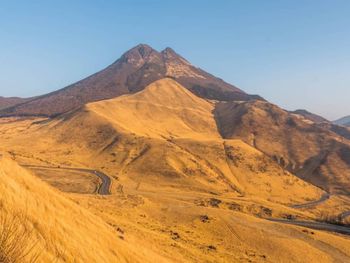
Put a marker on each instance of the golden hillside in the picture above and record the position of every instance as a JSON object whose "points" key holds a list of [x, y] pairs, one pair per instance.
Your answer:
{"points": [[178, 226], [60, 230], [163, 134], [180, 192], [307, 149], [163, 109]]}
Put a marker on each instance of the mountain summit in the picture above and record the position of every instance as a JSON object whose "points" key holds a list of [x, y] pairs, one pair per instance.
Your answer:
{"points": [[132, 72]]}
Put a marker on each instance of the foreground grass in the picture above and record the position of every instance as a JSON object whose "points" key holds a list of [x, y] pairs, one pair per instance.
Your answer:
{"points": [[16, 239]]}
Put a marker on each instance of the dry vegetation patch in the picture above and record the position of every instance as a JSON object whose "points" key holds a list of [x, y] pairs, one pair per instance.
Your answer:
{"points": [[16, 238]]}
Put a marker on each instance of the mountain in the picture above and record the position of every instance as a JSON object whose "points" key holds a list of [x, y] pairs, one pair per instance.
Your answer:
{"points": [[345, 121], [9, 102], [135, 69], [310, 116]]}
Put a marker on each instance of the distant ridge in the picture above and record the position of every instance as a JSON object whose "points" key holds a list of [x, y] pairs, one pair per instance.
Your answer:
{"points": [[9, 102], [345, 121], [316, 152], [132, 72], [310, 116]]}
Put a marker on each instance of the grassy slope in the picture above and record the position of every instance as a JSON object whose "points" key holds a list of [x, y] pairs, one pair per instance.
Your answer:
{"points": [[168, 136], [163, 109], [167, 165], [313, 153], [64, 230]]}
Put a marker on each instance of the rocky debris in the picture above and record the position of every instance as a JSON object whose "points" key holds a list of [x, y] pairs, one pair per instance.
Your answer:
{"points": [[174, 235], [204, 218], [214, 202], [234, 207], [211, 248], [308, 232]]}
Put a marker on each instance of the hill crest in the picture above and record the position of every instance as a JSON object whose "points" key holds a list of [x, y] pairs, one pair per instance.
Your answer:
{"points": [[163, 109]]}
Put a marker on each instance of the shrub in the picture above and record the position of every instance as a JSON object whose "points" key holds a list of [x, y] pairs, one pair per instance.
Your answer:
{"points": [[16, 242], [331, 219]]}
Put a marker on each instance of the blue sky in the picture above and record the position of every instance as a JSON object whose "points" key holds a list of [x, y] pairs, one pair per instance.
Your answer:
{"points": [[295, 53]]}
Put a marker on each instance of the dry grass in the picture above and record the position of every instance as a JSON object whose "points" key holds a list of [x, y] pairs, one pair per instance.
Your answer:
{"points": [[68, 181], [163, 109], [16, 239], [313, 153], [171, 167], [55, 227]]}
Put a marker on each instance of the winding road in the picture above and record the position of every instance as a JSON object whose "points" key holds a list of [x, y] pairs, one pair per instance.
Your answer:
{"points": [[103, 188], [323, 198], [316, 225]]}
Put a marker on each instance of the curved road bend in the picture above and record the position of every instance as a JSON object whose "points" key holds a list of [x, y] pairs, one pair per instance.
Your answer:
{"points": [[315, 225], [323, 198], [104, 187]]}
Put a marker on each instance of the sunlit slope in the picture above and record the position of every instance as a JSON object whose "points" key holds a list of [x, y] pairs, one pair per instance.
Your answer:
{"points": [[215, 166], [63, 231], [147, 139], [178, 188], [163, 109], [163, 136]]}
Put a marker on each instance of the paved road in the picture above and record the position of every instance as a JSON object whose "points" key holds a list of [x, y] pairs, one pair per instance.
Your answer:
{"points": [[104, 187], [323, 198], [315, 225]]}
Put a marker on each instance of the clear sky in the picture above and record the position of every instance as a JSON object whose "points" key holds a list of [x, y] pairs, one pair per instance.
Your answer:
{"points": [[295, 53]]}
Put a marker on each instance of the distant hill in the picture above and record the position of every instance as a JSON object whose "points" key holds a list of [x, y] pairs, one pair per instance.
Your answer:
{"points": [[338, 129], [345, 121], [132, 72], [310, 116], [312, 151], [9, 102]]}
